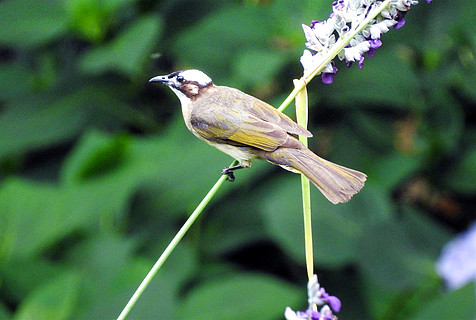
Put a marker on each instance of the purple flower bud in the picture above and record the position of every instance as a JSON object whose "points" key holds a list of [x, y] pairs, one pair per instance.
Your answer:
{"points": [[334, 303], [400, 18], [361, 62], [328, 77], [313, 23], [374, 45]]}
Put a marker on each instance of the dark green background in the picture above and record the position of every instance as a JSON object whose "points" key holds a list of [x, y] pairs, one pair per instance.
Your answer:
{"points": [[98, 171]]}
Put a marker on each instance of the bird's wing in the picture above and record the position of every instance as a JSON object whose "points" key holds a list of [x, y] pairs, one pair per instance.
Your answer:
{"points": [[265, 112], [242, 119], [245, 130]]}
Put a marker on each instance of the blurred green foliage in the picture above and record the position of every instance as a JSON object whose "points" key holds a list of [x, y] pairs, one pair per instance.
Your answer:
{"points": [[98, 171]]}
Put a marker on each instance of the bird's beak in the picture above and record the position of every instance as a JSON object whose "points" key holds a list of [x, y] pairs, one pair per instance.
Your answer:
{"points": [[161, 79]]}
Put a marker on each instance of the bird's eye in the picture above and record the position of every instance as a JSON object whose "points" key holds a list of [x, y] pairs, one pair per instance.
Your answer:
{"points": [[180, 79]]}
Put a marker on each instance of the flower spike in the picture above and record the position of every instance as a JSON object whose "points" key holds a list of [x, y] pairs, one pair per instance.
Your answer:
{"points": [[317, 296], [347, 17]]}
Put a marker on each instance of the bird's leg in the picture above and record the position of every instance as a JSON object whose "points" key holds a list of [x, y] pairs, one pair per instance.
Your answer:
{"points": [[229, 172]]}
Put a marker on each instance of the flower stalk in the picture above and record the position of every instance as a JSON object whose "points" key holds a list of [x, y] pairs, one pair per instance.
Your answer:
{"points": [[302, 118], [317, 297], [328, 56]]}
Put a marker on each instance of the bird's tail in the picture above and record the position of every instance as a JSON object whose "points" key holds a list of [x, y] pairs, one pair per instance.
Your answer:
{"points": [[338, 184]]}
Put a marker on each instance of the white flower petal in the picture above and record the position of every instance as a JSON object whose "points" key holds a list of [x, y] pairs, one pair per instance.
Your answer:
{"points": [[290, 314]]}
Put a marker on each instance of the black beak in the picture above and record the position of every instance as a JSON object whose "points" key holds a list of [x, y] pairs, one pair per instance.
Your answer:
{"points": [[161, 79]]}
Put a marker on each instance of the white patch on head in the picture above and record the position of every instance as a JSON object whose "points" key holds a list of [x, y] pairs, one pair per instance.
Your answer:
{"points": [[197, 76], [185, 84]]}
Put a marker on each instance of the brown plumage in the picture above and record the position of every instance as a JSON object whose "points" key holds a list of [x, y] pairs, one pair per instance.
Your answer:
{"points": [[245, 128]]}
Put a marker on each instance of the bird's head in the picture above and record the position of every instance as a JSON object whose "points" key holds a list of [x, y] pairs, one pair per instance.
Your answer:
{"points": [[187, 84]]}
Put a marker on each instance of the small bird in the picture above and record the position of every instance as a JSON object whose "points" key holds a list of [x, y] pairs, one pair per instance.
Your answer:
{"points": [[247, 128]]}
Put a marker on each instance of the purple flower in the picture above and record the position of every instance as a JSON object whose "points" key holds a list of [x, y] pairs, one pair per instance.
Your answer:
{"points": [[317, 296], [347, 17], [374, 45], [324, 314], [301, 315], [361, 62], [457, 263], [328, 77], [313, 23], [400, 18]]}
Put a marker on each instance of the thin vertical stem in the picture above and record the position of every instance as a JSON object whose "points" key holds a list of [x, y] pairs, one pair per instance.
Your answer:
{"points": [[302, 116]]}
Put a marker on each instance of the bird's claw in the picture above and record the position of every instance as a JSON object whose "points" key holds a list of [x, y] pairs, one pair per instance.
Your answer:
{"points": [[229, 173]]}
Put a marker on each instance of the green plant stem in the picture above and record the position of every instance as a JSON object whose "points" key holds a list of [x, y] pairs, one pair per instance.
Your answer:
{"points": [[183, 230], [302, 110], [306, 209]]}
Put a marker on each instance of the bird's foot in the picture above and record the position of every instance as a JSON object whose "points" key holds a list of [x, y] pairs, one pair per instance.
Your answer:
{"points": [[229, 172]]}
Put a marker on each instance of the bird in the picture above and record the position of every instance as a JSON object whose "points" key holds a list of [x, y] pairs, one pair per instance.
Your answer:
{"points": [[248, 128]]}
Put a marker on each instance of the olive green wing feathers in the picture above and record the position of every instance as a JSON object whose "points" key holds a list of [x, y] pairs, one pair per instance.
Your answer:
{"points": [[268, 113], [245, 130], [242, 119]]}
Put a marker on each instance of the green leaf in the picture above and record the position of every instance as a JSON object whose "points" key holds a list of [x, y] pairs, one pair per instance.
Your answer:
{"points": [[392, 265], [336, 228], [241, 296], [236, 222], [23, 275], [103, 155], [91, 18], [374, 128], [34, 122], [31, 23], [392, 170], [458, 304], [55, 300], [4, 314], [111, 273], [461, 177], [444, 125], [221, 38], [156, 160], [162, 298], [386, 81], [427, 235], [34, 215], [128, 52], [246, 64], [16, 79]]}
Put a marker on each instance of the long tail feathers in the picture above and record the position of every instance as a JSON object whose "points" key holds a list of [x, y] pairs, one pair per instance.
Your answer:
{"points": [[338, 184]]}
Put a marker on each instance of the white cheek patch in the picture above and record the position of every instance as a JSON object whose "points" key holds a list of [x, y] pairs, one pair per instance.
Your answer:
{"points": [[193, 90], [196, 76]]}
